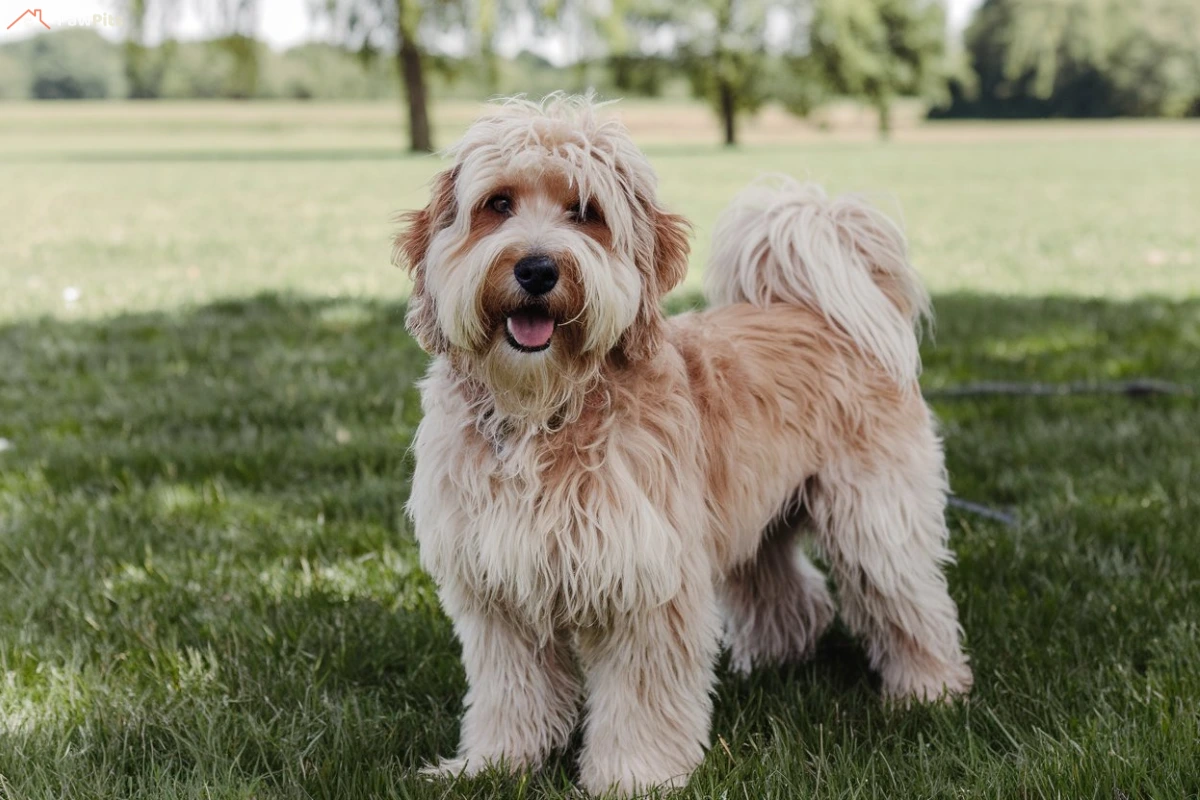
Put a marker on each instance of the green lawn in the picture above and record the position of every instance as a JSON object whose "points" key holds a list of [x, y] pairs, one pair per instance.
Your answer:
{"points": [[210, 590]]}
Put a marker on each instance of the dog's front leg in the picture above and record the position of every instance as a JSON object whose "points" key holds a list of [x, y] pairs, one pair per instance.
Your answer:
{"points": [[649, 677], [522, 696]]}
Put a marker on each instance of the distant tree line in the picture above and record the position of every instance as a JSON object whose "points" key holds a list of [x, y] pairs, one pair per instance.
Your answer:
{"points": [[1081, 58], [735, 54], [1019, 58], [81, 64]]}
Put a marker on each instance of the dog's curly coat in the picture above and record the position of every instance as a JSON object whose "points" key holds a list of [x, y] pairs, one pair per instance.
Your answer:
{"points": [[598, 486]]}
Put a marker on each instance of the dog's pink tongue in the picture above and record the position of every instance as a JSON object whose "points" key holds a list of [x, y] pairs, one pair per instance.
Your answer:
{"points": [[531, 329]]}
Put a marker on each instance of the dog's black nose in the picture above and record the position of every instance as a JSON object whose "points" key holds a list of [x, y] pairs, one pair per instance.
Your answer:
{"points": [[536, 274]]}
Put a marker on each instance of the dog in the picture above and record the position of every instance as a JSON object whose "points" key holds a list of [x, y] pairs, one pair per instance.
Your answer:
{"points": [[605, 495]]}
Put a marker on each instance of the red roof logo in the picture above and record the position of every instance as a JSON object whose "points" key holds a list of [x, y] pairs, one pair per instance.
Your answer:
{"points": [[35, 13]]}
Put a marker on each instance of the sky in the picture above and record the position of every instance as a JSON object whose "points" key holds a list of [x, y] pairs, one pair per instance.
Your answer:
{"points": [[282, 23]]}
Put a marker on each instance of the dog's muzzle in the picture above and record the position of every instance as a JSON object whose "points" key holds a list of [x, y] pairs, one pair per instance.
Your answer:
{"points": [[531, 327]]}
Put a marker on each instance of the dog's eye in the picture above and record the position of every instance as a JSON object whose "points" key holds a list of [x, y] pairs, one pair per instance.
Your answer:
{"points": [[501, 204], [578, 213]]}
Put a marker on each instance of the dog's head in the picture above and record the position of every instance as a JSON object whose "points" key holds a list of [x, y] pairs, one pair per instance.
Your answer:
{"points": [[542, 252]]}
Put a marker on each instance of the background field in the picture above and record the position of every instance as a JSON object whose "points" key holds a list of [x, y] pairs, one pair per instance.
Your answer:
{"points": [[209, 586], [153, 205]]}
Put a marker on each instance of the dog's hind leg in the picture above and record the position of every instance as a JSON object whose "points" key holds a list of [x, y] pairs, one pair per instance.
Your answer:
{"points": [[880, 521], [776, 605]]}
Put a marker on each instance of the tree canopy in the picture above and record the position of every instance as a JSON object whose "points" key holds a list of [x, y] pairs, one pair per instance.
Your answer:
{"points": [[1084, 58], [879, 49], [730, 50]]}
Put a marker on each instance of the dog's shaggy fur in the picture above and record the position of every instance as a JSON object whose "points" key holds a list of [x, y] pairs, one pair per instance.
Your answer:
{"points": [[598, 512]]}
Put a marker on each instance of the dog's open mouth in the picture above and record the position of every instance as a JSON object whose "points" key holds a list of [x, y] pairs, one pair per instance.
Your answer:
{"points": [[529, 329]]}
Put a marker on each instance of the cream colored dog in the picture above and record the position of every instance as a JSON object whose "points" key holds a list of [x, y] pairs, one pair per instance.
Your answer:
{"points": [[598, 487]]}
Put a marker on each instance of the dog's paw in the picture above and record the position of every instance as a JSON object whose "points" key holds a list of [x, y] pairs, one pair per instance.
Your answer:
{"points": [[630, 786], [945, 684], [462, 767], [622, 774], [447, 768]]}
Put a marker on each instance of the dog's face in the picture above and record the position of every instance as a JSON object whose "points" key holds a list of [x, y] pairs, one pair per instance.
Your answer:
{"points": [[542, 251]]}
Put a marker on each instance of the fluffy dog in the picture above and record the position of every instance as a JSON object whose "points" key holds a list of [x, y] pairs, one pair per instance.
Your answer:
{"points": [[598, 488]]}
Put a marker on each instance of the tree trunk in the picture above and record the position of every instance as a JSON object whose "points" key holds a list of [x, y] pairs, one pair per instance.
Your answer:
{"points": [[412, 71], [728, 112], [885, 117]]}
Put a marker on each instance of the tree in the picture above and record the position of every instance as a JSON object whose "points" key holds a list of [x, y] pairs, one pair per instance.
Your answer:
{"points": [[375, 26], [151, 54], [1154, 69], [234, 23], [74, 64], [878, 49], [727, 48], [1084, 58], [147, 63]]}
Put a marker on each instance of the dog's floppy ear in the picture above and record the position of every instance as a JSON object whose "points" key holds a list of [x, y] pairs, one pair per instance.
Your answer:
{"points": [[671, 249], [409, 250], [667, 268]]}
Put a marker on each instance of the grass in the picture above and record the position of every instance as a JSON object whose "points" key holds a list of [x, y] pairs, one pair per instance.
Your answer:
{"points": [[209, 587]]}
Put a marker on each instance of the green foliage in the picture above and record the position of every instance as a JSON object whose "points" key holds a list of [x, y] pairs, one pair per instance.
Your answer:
{"points": [[201, 70], [1084, 58], [405, 30], [798, 84], [640, 75], [531, 74], [146, 60], [71, 64], [879, 49], [209, 70], [726, 48], [233, 23], [325, 72], [223, 68], [145, 67], [242, 77], [1155, 68], [61, 67]]}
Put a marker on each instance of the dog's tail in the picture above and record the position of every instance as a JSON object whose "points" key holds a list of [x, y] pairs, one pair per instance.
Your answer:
{"points": [[785, 242]]}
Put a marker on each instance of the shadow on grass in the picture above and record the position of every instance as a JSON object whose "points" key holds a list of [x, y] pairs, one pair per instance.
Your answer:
{"points": [[205, 554]]}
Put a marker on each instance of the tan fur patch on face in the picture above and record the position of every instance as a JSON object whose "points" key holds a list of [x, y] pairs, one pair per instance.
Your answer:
{"points": [[583, 213], [485, 221], [501, 295]]}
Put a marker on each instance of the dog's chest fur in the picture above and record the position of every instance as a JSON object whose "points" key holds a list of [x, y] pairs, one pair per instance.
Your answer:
{"points": [[560, 529]]}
